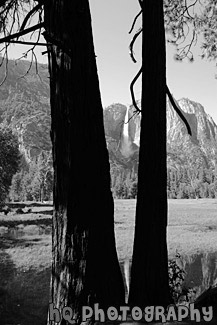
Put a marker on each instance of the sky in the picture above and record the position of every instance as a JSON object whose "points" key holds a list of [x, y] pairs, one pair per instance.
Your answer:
{"points": [[111, 22]]}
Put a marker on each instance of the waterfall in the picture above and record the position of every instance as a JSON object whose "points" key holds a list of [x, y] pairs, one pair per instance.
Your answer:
{"points": [[125, 128], [126, 149]]}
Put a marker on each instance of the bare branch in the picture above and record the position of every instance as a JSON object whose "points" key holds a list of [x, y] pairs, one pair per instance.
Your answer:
{"points": [[30, 13], [134, 114], [134, 21], [122, 122], [132, 91], [6, 65], [24, 32], [178, 110], [140, 2], [188, 7], [132, 44], [29, 43], [183, 51]]}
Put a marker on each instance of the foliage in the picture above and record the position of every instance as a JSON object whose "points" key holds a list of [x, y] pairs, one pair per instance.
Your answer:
{"points": [[35, 184], [191, 173], [24, 106], [181, 185], [186, 21], [176, 278], [123, 182], [9, 159], [176, 274]]}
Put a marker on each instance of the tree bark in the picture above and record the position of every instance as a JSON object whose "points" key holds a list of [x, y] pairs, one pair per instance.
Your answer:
{"points": [[149, 273], [85, 268]]}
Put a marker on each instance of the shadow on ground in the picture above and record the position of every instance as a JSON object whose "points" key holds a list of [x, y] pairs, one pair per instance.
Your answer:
{"points": [[24, 291]]}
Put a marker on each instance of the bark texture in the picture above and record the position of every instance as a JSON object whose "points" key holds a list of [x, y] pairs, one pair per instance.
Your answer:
{"points": [[85, 268], [149, 273]]}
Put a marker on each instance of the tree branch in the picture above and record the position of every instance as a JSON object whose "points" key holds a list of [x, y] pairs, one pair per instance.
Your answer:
{"points": [[132, 91], [178, 110], [30, 13], [132, 43], [134, 21], [141, 3], [8, 38], [29, 43]]}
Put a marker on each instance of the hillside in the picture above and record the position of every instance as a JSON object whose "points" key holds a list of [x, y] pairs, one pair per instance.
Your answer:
{"points": [[24, 105]]}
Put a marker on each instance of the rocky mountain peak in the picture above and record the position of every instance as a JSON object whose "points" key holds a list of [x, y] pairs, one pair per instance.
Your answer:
{"points": [[24, 105], [126, 136]]}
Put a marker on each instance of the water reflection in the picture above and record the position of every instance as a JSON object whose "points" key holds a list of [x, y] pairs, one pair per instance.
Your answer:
{"points": [[201, 268], [200, 271], [19, 231]]}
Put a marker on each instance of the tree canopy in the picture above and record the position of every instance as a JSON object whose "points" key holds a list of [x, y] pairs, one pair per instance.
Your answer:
{"points": [[9, 160]]}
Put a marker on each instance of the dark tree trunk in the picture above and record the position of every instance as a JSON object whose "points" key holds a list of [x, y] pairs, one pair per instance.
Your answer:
{"points": [[85, 268], [149, 273]]}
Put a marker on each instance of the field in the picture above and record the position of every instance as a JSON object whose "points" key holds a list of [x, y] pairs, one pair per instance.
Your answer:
{"points": [[25, 250], [192, 226]]}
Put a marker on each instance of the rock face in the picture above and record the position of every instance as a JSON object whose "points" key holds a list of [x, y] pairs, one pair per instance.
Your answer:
{"points": [[123, 140], [24, 104], [122, 131], [202, 125]]}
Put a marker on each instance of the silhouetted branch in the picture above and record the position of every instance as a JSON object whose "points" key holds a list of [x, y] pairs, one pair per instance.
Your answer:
{"points": [[188, 7], [6, 65], [178, 110], [132, 91], [132, 44], [134, 114], [30, 13], [183, 51], [141, 3], [29, 43], [24, 32], [135, 19]]}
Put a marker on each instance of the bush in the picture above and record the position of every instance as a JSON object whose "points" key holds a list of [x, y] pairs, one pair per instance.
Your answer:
{"points": [[176, 279]]}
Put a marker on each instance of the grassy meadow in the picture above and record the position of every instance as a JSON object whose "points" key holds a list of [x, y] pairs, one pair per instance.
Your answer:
{"points": [[25, 250]]}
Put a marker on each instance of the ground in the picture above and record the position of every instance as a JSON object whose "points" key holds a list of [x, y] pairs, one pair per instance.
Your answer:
{"points": [[25, 250]]}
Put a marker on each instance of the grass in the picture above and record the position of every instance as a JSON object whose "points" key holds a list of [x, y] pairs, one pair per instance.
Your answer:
{"points": [[192, 226], [25, 251]]}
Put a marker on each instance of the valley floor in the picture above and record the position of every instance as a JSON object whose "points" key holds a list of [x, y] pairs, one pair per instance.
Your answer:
{"points": [[25, 251], [192, 226]]}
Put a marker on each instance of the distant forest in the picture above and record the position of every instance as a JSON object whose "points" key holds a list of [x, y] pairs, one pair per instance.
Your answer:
{"points": [[182, 183], [191, 171]]}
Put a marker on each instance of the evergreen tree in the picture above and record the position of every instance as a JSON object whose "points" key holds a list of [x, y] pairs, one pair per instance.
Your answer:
{"points": [[9, 160]]}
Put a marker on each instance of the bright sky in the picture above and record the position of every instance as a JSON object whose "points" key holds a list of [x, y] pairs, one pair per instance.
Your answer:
{"points": [[111, 21]]}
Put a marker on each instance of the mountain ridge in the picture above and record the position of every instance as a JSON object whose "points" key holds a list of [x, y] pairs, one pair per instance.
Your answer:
{"points": [[24, 105]]}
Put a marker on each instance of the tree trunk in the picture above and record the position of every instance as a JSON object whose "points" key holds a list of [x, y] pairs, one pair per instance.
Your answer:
{"points": [[149, 273], [85, 268]]}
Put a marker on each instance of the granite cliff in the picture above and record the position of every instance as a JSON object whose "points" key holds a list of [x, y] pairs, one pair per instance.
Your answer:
{"points": [[123, 138], [24, 104]]}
